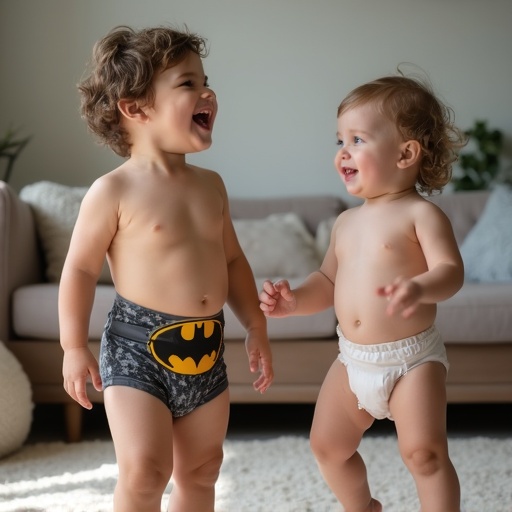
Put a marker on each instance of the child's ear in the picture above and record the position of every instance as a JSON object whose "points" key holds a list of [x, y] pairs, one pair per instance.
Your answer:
{"points": [[410, 153], [131, 110]]}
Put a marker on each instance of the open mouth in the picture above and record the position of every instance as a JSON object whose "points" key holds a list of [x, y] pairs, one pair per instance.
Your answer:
{"points": [[348, 171], [202, 119]]}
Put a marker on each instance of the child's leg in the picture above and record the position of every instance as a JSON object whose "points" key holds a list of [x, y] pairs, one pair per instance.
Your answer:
{"points": [[142, 431], [338, 426], [198, 441], [418, 406]]}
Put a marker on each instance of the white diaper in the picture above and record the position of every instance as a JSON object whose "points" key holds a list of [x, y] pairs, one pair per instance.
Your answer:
{"points": [[373, 370]]}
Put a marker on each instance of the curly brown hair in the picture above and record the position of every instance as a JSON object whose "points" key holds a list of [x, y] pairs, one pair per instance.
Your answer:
{"points": [[124, 64], [418, 115]]}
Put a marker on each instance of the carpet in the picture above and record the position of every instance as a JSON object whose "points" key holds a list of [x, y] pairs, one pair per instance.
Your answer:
{"points": [[269, 475]]}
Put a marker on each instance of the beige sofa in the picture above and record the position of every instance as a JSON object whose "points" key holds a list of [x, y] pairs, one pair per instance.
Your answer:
{"points": [[282, 237]]}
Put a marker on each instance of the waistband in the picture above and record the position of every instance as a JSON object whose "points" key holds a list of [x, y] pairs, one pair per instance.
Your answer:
{"points": [[423, 337], [124, 312]]}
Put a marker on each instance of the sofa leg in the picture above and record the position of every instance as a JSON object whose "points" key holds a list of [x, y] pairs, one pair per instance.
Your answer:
{"points": [[73, 417]]}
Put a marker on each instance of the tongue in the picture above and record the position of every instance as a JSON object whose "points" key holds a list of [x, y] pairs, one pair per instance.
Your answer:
{"points": [[201, 120]]}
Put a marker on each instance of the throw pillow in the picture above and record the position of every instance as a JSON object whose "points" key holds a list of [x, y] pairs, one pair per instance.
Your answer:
{"points": [[487, 249], [278, 245], [323, 235], [55, 210]]}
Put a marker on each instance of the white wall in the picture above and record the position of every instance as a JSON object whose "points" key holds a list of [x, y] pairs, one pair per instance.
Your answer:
{"points": [[279, 68]]}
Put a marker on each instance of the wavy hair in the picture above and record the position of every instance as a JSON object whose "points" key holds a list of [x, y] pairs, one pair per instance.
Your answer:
{"points": [[418, 115], [124, 64]]}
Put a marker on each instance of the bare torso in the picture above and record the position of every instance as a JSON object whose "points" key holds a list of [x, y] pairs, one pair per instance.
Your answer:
{"points": [[168, 252], [376, 243]]}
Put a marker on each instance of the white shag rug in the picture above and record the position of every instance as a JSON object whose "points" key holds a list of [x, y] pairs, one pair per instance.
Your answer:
{"points": [[271, 475]]}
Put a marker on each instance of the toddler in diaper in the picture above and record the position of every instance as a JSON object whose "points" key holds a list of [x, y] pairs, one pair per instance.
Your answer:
{"points": [[390, 261]]}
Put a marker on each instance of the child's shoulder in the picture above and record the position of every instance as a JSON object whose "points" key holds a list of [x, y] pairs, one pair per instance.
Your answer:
{"points": [[425, 210], [208, 175], [424, 204], [205, 172], [108, 186]]}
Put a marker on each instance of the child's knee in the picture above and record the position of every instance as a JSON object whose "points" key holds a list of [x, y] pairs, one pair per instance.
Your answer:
{"points": [[423, 461], [202, 474], [318, 445], [144, 479], [326, 451]]}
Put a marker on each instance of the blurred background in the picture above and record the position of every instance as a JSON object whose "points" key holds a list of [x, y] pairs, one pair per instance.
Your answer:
{"points": [[279, 68]]}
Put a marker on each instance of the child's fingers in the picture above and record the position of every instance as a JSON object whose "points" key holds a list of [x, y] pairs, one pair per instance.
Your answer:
{"points": [[263, 364], [283, 288], [269, 288], [96, 381], [78, 392], [263, 382]]}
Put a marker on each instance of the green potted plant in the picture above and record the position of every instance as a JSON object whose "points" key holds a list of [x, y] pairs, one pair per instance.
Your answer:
{"points": [[10, 148], [480, 168]]}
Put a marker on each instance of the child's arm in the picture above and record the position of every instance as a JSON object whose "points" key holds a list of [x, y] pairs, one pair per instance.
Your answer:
{"points": [[89, 242], [315, 294], [243, 300], [445, 274]]}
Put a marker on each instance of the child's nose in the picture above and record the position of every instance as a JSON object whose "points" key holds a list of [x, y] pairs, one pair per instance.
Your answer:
{"points": [[208, 93], [344, 152]]}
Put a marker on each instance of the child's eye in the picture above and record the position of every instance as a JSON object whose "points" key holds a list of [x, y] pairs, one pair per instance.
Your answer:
{"points": [[206, 83], [188, 83], [339, 142], [357, 140]]}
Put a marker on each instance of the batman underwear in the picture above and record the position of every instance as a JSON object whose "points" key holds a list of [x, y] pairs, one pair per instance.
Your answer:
{"points": [[373, 370], [177, 359]]}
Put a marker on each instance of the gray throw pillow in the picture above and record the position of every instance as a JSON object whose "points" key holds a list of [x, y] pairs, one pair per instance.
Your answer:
{"points": [[487, 249]]}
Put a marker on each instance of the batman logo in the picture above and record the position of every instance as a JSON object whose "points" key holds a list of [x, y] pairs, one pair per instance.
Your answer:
{"points": [[189, 348]]}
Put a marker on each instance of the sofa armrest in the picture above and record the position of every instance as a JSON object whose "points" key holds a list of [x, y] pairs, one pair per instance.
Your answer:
{"points": [[20, 256]]}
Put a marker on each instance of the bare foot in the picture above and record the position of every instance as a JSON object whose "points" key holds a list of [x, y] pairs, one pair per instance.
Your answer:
{"points": [[373, 506]]}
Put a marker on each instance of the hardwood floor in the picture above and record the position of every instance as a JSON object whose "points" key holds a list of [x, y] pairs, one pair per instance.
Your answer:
{"points": [[263, 421]]}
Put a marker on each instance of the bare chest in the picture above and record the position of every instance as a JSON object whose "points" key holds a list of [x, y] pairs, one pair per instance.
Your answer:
{"points": [[378, 243], [171, 217]]}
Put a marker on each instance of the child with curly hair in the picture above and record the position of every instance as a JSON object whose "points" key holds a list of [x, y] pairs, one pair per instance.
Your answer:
{"points": [[164, 226], [390, 260]]}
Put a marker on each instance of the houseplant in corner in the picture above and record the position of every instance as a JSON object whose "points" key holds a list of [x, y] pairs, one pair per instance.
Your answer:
{"points": [[480, 168], [10, 148]]}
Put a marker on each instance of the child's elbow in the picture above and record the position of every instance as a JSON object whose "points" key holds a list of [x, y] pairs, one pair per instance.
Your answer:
{"points": [[459, 276]]}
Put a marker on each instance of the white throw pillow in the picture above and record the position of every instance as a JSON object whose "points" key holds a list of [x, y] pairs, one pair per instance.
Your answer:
{"points": [[323, 235], [278, 245], [487, 249], [55, 208]]}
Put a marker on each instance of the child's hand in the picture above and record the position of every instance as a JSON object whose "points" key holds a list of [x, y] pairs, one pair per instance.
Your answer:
{"points": [[403, 295], [277, 299], [260, 360], [78, 365]]}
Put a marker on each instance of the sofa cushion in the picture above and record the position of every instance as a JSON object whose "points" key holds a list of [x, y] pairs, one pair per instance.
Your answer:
{"points": [[35, 311], [278, 245], [319, 325], [35, 316], [55, 210], [479, 312], [487, 249]]}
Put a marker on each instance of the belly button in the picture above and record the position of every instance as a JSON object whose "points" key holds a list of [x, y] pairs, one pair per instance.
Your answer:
{"points": [[358, 323], [203, 300]]}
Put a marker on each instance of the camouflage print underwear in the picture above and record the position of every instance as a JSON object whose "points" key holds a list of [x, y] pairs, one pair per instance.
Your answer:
{"points": [[176, 359]]}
